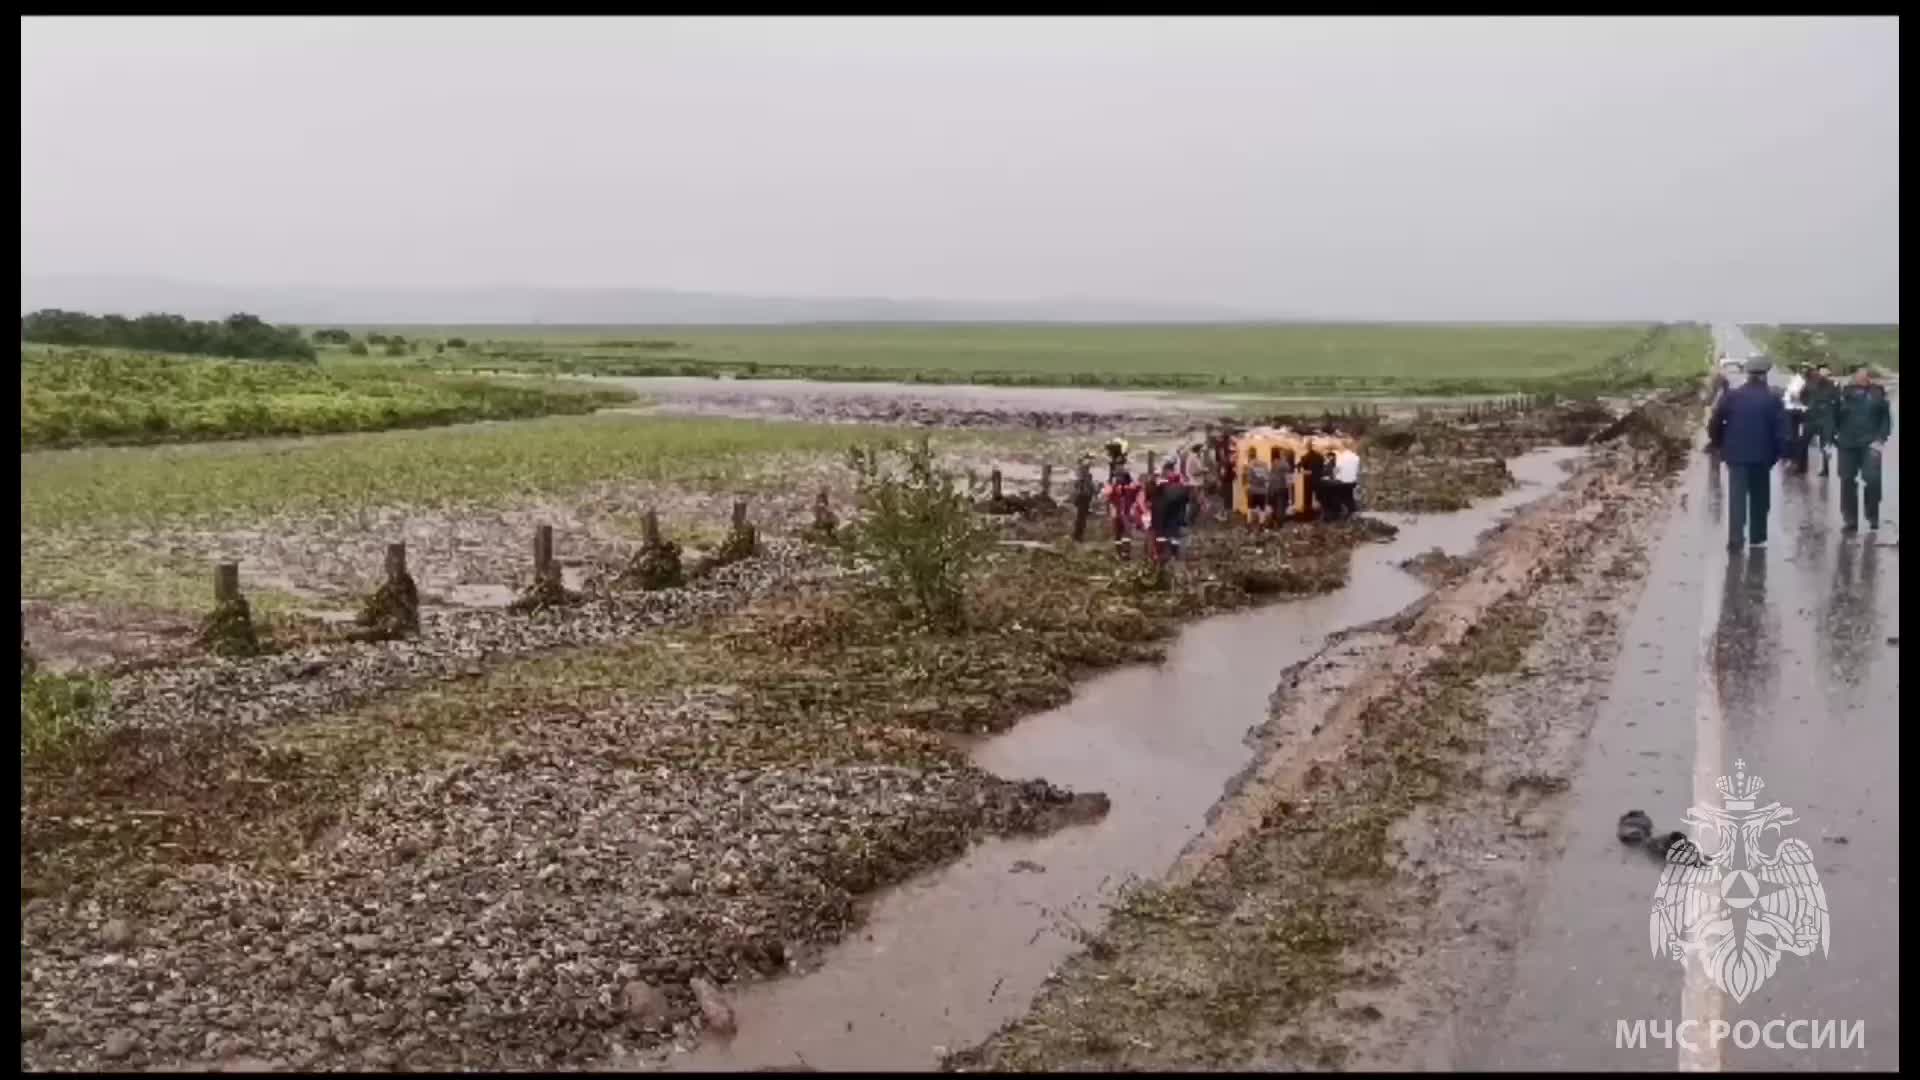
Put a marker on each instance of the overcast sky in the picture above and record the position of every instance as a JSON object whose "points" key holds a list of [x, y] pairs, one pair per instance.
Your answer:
{"points": [[1393, 168]]}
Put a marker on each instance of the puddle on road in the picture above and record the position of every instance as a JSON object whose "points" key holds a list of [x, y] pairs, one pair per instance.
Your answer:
{"points": [[946, 958]]}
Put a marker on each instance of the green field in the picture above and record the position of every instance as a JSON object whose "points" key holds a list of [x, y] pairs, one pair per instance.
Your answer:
{"points": [[1279, 358], [80, 396], [1851, 343], [154, 485], [89, 515]]}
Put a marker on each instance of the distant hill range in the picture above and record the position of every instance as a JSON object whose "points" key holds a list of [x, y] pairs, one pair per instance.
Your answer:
{"points": [[519, 306]]}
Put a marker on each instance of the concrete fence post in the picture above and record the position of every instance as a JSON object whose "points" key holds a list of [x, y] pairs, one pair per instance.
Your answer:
{"points": [[226, 584], [542, 552], [1046, 482]]}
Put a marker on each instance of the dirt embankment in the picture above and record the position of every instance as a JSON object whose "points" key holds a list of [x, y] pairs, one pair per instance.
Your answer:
{"points": [[1350, 897]]}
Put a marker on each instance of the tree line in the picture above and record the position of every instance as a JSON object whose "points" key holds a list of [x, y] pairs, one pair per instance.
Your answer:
{"points": [[239, 336], [392, 344]]}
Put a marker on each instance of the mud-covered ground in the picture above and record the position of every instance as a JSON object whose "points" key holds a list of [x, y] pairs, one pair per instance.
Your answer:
{"points": [[524, 841], [1352, 896], [425, 853]]}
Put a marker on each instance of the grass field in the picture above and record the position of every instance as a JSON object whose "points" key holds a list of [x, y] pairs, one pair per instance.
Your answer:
{"points": [[136, 525], [78, 396], [1290, 358], [90, 487], [1856, 343]]}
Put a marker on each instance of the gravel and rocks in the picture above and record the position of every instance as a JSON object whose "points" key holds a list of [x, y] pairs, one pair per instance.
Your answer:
{"points": [[452, 644], [530, 910]]}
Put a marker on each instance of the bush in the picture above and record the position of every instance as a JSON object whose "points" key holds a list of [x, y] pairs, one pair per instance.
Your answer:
{"points": [[358, 348], [79, 396], [239, 336], [456, 343], [376, 339], [58, 713], [1796, 346], [395, 348], [332, 337], [920, 532]]}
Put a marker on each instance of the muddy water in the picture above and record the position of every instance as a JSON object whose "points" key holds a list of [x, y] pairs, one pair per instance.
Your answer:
{"points": [[669, 392], [947, 958]]}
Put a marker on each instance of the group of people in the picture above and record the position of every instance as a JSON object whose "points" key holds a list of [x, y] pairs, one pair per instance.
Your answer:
{"points": [[1164, 505], [1331, 481], [1160, 506], [1752, 429]]}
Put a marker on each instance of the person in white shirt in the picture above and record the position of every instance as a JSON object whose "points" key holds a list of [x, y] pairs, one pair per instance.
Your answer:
{"points": [[1346, 477], [1797, 431]]}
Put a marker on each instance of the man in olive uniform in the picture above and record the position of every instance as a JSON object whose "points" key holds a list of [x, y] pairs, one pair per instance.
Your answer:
{"points": [[1823, 397], [1083, 492], [1863, 421]]}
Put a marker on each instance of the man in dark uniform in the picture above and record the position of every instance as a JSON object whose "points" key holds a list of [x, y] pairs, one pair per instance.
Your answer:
{"points": [[1863, 423], [1752, 427], [1171, 507], [1314, 465]]}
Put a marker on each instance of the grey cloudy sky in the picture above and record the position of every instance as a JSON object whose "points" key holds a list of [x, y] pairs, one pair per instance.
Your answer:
{"points": [[1397, 168]]}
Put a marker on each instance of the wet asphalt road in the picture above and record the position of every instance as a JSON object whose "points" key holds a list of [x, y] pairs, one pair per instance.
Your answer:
{"points": [[1784, 659]]}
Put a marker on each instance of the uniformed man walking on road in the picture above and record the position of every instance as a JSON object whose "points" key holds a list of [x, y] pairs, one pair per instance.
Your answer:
{"points": [[1823, 397], [1751, 428], [1863, 422]]}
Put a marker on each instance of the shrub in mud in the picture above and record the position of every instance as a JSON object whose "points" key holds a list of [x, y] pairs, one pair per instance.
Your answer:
{"points": [[1144, 576], [58, 714], [916, 528]]}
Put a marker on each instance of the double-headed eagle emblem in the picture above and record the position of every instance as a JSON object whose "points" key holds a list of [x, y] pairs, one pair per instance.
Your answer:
{"points": [[1735, 906]]}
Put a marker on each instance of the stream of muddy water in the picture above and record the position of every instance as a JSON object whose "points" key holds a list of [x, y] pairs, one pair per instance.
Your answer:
{"points": [[946, 958]]}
